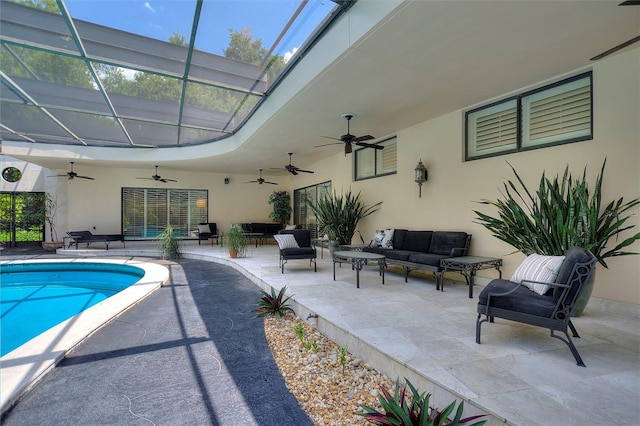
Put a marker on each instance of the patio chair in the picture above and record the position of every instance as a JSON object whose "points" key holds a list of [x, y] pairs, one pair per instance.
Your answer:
{"points": [[208, 231], [552, 309], [298, 247]]}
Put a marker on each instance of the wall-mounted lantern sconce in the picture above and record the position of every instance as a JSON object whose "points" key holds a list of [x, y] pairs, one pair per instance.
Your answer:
{"points": [[421, 176], [226, 181]]}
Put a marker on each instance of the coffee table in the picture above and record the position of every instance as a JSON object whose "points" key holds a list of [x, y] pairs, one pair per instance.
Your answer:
{"points": [[357, 260], [468, 265]]}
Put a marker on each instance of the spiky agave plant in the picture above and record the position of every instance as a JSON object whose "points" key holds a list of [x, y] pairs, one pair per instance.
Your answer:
{"points": [[272, 304], [401, 409]]}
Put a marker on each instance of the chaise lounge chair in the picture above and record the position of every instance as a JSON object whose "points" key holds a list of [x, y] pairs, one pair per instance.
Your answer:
{"points": [[86, 237]]}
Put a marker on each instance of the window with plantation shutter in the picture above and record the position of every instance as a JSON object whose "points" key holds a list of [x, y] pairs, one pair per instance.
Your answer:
{"points": [[369, 162], [493, 129], [558, 113], [146, 212]]}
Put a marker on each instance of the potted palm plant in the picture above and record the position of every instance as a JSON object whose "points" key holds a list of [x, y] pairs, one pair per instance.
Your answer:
{"points": [[236, 241], [560, 214], [281, 201], [49, 211], [338, 215]]}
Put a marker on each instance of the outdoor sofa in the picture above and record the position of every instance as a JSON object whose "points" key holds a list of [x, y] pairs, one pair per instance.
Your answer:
{"points": [[420, 249]]}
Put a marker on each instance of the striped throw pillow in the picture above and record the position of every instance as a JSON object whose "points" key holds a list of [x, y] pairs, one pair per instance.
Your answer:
{"points": [[286, 241], [537, 267]]}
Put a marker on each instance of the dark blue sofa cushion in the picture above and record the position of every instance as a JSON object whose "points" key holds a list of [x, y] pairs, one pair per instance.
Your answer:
{"points": [[522, 300], [418, 241], [426, 259], [397, 254], [443, 242], [399, 236]]}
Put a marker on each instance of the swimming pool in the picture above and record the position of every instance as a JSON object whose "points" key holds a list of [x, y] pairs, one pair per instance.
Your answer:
{"points": [[36, 296], [25, 365]]}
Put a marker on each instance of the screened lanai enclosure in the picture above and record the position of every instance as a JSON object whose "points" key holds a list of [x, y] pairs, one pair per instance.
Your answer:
{"points": [[146, 73]]}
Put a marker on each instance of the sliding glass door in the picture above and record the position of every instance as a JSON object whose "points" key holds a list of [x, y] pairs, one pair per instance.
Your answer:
{"points": [[146, 212]]}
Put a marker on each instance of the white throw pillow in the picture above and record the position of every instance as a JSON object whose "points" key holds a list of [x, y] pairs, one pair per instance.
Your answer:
{"points": [[387, 241], [289, 227], [204, 229], [383, 238], [537, 267], [286, 241]]}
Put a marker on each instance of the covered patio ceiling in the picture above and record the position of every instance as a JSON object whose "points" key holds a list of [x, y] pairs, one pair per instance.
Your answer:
{"points": [[391, 63]]}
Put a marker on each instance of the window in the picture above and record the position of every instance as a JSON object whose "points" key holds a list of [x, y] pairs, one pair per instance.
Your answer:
{"points": [[302, 214], [555, 114], [146, 212], [369, 162]]}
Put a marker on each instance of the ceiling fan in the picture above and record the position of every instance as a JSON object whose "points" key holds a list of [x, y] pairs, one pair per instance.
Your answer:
{"points": [[260, 180], [293, 169], [349, 140], [158, 178], [72, 175], [623, 44]]}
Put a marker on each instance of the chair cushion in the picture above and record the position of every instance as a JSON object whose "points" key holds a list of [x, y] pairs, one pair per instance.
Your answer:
{"points": [[537, 267], [203, 228], [572, 256], [298, 253], [286, 241], [522, 300]]}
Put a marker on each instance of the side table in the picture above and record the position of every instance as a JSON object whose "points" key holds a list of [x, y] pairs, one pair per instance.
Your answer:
{"points": [[468, 265], [357, 260]]}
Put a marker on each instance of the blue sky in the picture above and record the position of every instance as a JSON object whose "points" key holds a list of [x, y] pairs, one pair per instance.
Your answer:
{"points": [[160, 19]]}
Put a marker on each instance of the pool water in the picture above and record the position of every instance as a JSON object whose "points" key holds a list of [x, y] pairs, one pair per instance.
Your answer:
{"points": [[37, 296]]}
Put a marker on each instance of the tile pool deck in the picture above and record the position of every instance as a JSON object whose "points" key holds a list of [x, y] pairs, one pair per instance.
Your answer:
{"points": [[519, 375]]}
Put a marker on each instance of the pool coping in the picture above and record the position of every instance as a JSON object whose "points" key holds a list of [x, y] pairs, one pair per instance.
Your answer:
{"points": [[23, 367]]}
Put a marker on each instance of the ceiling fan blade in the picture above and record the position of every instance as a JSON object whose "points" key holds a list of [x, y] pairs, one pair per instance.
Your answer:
{"points": [[327, 144], [270, 183], [369, 145], [167, 180], [616, 48], [362, 138], [85, 177], [331, 137], [303, 171]]}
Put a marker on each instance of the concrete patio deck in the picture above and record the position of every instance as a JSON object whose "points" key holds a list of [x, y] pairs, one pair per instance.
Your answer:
{"points": [[519, 375]]}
